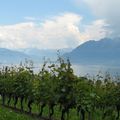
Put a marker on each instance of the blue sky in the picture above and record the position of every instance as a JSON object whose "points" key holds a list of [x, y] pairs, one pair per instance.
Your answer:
{"points": [[56, 24], [14, 11]]}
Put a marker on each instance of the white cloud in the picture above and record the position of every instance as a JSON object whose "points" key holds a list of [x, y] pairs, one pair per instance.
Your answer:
{"points": [[107, 9], [96, 30], [61, 31], [104, 7]]}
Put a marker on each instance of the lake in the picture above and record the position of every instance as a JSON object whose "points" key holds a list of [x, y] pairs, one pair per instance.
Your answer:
{"points": [[92, 70], [82, 70]]}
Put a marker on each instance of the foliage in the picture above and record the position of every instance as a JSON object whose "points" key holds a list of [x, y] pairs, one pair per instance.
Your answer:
{"points": [[57, 85]]}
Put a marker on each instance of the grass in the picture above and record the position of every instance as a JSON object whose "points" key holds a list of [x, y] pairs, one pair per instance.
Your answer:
{"points": [[9, 114]]}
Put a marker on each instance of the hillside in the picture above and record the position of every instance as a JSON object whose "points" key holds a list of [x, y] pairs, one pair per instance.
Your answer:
{"points": [[9, 56], [37, 55], [104, 51]]}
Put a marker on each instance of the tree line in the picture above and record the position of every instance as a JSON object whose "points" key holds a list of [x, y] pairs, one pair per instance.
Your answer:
{"points": [[57, 85]]}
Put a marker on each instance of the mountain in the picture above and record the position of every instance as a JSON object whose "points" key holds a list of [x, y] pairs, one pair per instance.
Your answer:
{"points": [[104, 51], [9, 56], [38, 54]]}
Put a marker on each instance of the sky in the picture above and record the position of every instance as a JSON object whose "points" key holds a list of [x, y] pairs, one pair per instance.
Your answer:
{"points": [[56, 24]]}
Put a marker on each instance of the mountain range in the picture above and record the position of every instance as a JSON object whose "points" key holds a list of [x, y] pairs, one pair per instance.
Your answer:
{"points": [[104, 51], [8, 56]]}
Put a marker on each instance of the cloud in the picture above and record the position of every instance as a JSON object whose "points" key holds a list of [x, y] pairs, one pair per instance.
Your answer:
{"points": [[108, 10], [62, 31], [95, 31]]}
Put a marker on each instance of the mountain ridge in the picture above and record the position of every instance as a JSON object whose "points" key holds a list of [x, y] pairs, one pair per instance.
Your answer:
{"points": [[104, 51], [8, 56]]}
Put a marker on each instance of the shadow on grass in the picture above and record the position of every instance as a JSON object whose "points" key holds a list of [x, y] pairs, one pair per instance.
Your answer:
{"points": [[33, 115]]}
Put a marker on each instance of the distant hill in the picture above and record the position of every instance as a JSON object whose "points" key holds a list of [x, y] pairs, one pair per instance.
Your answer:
{"points": [[15, 57], [38, 54], [9, 56], [104, 51]]}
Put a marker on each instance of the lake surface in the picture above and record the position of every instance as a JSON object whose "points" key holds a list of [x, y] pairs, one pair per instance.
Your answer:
{"points": [[82, 70], [92, 70]]}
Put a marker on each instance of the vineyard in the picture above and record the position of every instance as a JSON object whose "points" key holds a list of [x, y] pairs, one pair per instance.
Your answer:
{"points": [[56, 88]]}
